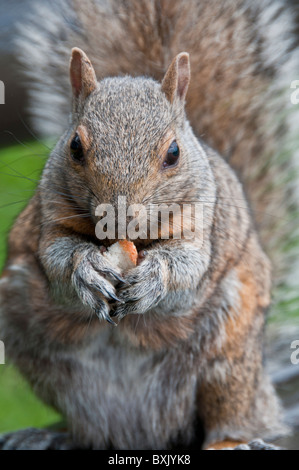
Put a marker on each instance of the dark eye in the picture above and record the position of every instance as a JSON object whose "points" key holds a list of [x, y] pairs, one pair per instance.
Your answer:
{"points": [[172, 157], [76, 149]]}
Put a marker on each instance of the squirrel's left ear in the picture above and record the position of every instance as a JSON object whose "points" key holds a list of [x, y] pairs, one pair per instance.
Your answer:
{"points": [[176, 80], [82, 75]]}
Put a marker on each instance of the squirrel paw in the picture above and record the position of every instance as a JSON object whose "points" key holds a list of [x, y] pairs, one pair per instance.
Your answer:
{"points": [[145, 289], [90, 279]]}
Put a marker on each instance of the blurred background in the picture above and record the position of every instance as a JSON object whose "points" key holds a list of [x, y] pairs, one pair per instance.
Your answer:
{"points": [[22, 157]]}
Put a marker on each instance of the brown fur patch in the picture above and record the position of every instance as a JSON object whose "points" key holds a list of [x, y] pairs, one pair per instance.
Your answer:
{"points": [[69, 219], [157, 333], [165, 143], [238, 325], [71, 329], [85, 137]]}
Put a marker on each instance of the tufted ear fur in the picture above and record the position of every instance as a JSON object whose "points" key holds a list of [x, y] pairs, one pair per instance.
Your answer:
{"points": [[82, 76], [176, 80]]}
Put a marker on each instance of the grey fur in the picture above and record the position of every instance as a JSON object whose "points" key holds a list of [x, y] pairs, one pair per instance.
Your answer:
{"points": [[189, 343], [268, 32]]}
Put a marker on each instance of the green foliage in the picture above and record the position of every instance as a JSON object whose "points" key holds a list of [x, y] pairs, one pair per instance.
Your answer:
{"points": [[20, 167], [19, 407]]}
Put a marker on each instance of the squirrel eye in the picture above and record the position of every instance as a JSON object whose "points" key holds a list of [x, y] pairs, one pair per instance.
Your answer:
{"points": [[172, 157], [76, 149]]}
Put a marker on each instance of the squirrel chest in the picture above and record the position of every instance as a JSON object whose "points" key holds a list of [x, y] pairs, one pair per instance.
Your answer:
{"points": [[125, 392]]}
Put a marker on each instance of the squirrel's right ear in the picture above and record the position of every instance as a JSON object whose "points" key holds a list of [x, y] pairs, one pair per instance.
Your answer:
{"points": [[82, 76], [176, 80]]}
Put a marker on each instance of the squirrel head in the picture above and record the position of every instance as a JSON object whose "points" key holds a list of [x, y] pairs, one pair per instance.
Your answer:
{"points": [[128, 137]]}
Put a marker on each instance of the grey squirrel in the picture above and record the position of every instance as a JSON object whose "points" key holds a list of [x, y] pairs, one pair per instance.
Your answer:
{"points": [[188, 346]]}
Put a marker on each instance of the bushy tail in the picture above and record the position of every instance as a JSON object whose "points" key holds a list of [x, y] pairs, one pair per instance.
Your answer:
{"points": [[243, 61]]}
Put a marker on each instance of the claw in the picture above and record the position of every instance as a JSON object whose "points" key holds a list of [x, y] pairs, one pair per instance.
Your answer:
{"points": [[118, 277], [108, 294], [115, 298], [109, 320], [107, 317]]}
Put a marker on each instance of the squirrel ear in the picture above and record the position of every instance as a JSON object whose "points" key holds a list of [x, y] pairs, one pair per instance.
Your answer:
{"points": [[82, 74], [176, 80]]}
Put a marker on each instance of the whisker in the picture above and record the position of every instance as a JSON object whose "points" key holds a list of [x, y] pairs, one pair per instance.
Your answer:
{"points": [[32, 133], [65, 218], [26, 146]]}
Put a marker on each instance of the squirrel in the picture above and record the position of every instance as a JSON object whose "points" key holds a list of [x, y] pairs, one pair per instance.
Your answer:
{"points": [[144, 120]]}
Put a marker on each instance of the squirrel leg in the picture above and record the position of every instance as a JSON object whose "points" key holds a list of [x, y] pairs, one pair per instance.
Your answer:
{"points": [[238, 407], [236, 400]]}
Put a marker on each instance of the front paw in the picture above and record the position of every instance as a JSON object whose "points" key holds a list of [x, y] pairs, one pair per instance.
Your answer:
{"points": [[92, 280], [146, 287]]}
